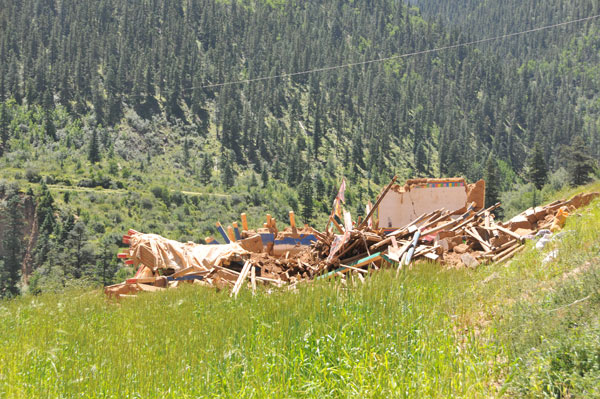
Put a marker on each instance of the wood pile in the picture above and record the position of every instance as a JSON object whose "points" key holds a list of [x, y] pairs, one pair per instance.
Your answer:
{"points": [[344, 247]]}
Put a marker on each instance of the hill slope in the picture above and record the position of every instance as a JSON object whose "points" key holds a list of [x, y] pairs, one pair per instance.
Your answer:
{"points": [[125, 96], [525, 328]]}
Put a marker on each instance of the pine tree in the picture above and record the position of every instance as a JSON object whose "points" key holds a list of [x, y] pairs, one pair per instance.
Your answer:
{"points": [[106, 267], [580, 163], [227, 176], [79, 250], [3, 128], [264, 176], [206, 169], [45, 210], [94, 149], [306, 200], [537, 169], [186, 152], [11, 244], [317, 133], [492, 183], [420, 159], [49, 128]]}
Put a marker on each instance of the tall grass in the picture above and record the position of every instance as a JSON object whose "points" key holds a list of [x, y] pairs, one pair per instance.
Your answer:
{"points": [[427, 332], [392, 337]]}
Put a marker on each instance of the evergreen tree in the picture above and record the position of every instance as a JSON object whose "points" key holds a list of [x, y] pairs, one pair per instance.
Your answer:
{"points": [[306, 200], [420, 160], [580, 164], [79, 251], [186, 152], [106, 262], [264, 175], [94, 148], [492, 183], [206, 169], [317, 133], [47, 224], [537, 170], [12, 247], [49, 128], [227, 176], [3, 128]]}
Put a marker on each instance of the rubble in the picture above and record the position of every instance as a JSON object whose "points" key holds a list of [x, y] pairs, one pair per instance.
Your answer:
{"points": [[466, 236]]}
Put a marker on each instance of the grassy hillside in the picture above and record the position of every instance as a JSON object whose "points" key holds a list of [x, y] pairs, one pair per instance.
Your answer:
{"points": [[517, 329]]}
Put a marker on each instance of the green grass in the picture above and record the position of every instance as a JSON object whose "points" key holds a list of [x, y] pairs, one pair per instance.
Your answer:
{"points": [[508, 330]]}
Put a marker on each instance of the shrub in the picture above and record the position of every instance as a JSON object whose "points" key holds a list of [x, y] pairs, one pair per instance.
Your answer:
{"points": [[161, 193], [32, 176], [146, 203]]}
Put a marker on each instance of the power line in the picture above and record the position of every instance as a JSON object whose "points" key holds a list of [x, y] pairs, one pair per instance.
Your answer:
{"points": [[406, 55]]}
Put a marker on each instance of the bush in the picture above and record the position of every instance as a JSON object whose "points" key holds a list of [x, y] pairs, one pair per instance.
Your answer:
{"points": [[177, 198], [161, 193], [146, 203], [32, 176], [559, 179]]}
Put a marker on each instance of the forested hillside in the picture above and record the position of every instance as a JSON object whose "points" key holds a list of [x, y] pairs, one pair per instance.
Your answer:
{"points": [[132, 96]]}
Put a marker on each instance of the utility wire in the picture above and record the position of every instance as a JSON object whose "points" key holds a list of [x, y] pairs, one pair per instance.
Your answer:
{"points": [[434, 50]]}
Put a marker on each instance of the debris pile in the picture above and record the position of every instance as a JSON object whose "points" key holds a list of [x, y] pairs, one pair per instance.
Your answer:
{"points": [[455, 237]]}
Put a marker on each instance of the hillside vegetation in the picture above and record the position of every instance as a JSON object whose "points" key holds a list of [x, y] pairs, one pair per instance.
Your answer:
{"points": [[526, 328], [116, 109]]}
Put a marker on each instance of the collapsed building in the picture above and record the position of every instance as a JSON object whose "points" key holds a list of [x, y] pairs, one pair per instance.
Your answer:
{"points": [[439, 220]]}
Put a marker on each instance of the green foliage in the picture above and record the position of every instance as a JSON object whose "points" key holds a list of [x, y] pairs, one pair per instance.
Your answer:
{"points": [[492, 183], [12, 245], [537, 170], [306, 200], [94, 149], [580, 163]]}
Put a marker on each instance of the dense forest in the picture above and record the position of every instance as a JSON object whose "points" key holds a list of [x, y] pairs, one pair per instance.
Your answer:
{"points": [[119, 114]]}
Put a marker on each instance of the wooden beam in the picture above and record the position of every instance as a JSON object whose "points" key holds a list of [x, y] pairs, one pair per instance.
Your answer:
{"points": [[501, 247], [222, 232], [412, 248], [336, 224], [443, 216], [241, 278], [396, 254], [473, 233], [511, 253], [377, 203], [236, 230], [230, 234], [354, 268], [506, 231], [356, 264], [244, 221], [505, 251]]}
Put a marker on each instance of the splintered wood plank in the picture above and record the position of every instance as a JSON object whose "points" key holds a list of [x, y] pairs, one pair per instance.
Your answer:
{"points": [[241, 278], [395, 254], [507, 231], [356, 264]]}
